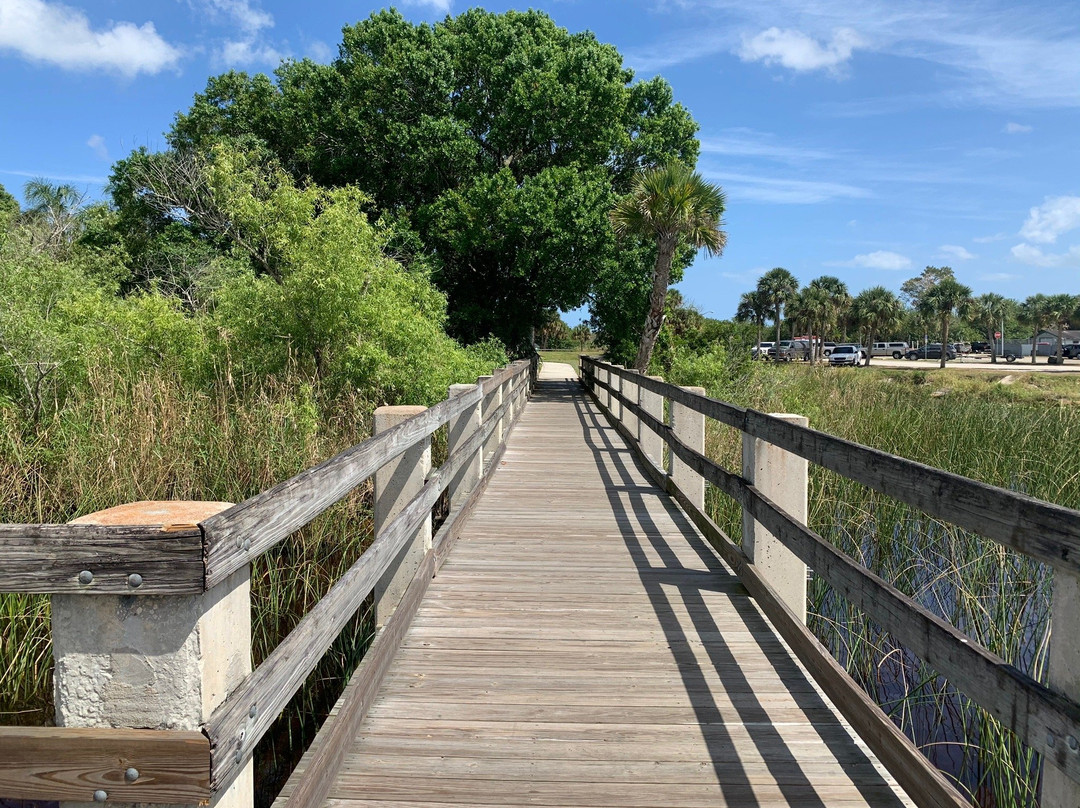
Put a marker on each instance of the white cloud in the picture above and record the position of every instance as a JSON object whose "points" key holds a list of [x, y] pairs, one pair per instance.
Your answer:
{"points": [[97, 143], [797, 51], [989, 239], [956, 252], [59, 35], [998, 276], [881, 259], [442, 6], [1057, 215], [240, 12], [249, 52], [1026, 254], [1012, 128], [320, 52], [739, 142]]}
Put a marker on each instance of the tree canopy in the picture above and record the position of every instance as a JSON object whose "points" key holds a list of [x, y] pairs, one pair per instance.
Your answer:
{"points": [[500, 140]]}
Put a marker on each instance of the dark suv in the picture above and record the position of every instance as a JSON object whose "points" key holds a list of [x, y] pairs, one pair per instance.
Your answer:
{"points": [[932, 351], [1071, 352]]}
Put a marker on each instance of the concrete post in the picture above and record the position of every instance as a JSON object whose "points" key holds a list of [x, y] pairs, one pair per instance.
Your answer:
{"points": [[1064, 677], [153, 661], [396, 483], [602, 377], [615, 380], [492, 401], [459, 429], [689, 427], [651, 443], [630, 392], [782, 477]]}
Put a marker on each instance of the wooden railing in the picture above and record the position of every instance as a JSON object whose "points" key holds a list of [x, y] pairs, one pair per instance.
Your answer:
{"points": [[1046, 718], [195, 561]]}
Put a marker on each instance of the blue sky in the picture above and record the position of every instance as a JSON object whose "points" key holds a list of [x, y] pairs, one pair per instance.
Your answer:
{"points": [[860, 139]]}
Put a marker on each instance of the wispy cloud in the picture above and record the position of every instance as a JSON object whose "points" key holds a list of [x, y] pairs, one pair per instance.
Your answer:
{"points": [[990, 277], [880, 259], [956, 252], [1013, 128], [59, 177], [241, 52], [63, 36], [990, 239], [797, 51], [741, 142], [1027, 254], [97, 143], [1057, 215], [783, 190], [442, 6]]}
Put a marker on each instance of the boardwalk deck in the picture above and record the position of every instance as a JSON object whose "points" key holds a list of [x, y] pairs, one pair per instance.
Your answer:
{"points": [[583, 646]]}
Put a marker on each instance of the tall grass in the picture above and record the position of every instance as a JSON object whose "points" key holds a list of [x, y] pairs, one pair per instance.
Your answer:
{"points": [[1021, 436], [129, 437]]}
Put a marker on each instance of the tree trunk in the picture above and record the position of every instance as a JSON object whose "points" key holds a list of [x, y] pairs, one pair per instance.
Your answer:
{"points": [[655, 318], [1061, 341], [1034, 345], [944, 340], [777, 332], [869, 345], [993, 345]]}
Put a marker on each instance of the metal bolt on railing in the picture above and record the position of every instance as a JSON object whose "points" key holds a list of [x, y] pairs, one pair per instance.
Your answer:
{"points": [[86, 577], [100, 796], [131, 775]]}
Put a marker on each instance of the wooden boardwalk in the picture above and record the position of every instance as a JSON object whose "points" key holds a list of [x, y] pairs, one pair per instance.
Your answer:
{"points": [[583, 646]]}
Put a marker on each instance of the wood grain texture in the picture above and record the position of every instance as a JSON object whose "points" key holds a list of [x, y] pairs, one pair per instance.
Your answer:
{"points": [[49, 558], [1031, 710], [582, 645], [1047, 532], [66, 763]]}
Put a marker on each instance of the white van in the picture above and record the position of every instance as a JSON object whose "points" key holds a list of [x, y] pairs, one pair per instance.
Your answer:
{"points": [[894, 349]]}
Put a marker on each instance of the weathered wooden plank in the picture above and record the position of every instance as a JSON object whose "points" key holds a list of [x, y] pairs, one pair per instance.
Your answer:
{"points": [[67, 763], [915, 774], [50, 558], [238, 724], [1047, 532], [313, 787], [266, 518]]}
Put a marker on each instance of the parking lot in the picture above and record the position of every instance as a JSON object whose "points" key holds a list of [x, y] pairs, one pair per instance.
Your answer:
{"points": [[980, 362]]}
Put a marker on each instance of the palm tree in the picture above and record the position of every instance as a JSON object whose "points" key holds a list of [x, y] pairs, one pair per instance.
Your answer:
{"points": [[942, 301], [1060, 309], [877, 311], [987, 311], [668, 203], [813, 306], [1034, 312], [779, 287], [839, 301], [55, 207], [753, 308]]}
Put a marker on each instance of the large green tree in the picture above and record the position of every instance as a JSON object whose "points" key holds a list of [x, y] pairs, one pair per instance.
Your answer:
{"points": [[987, 313], [1061, 310], [942, 301], [876, 311], [753, 308], [778, 286], [668, 204], [500, 140]]}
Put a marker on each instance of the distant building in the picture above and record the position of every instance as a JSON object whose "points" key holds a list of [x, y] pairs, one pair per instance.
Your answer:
{"points": [[1046, 342]]}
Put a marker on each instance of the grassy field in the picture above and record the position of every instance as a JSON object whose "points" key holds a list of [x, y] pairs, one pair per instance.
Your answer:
{"points": [[571, 358]]}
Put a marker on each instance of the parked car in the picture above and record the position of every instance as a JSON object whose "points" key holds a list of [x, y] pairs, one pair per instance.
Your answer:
{"points": [[847, 355], [761, 350], [1071, 351], [981, 347], [827, 348], [931, 351], [894, 349], [790, 349], [961, 347]]}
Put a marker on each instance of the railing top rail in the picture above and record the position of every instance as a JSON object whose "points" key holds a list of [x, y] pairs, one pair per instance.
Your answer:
{"points": [[1042, 530]]}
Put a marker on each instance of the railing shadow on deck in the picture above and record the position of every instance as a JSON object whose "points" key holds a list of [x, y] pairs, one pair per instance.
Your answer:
{"points": [[616, 465]]}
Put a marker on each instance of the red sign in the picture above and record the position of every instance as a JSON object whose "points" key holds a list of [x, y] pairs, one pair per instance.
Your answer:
{"points": [[997, 335]]}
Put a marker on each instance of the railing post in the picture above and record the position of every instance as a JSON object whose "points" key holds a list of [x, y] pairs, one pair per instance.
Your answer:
{"points": [[614, 405], [782, 477], [652, 445], [492, 401], [396, 483], [152, 661], [630, 393], [1063, 675], [602, 377], [458, 430], [689, 427]]}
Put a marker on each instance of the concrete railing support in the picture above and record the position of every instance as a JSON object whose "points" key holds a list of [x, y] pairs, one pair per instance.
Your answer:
{"points": [[492, 401], [1064, 677], [689, 427], [651, 444], [614, 405], [782, 477], [396, 483], [630, 393], [152, 661]]}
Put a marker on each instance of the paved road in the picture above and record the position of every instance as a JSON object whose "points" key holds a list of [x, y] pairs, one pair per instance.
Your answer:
{"points": [[982, 362]]}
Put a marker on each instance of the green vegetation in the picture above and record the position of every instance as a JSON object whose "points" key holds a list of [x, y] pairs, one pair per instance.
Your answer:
{"points": [[1016, 431]]}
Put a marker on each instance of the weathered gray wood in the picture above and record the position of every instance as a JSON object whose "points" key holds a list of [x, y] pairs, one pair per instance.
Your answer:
{"points": [[920, 779], [1029, 709], [233, 731], [67, 763], [1047, 532], [49, 558], [314, 785], [266, 518]]}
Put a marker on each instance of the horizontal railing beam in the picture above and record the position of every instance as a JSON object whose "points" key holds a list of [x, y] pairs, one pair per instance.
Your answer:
{"points": [[118, 765]]}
